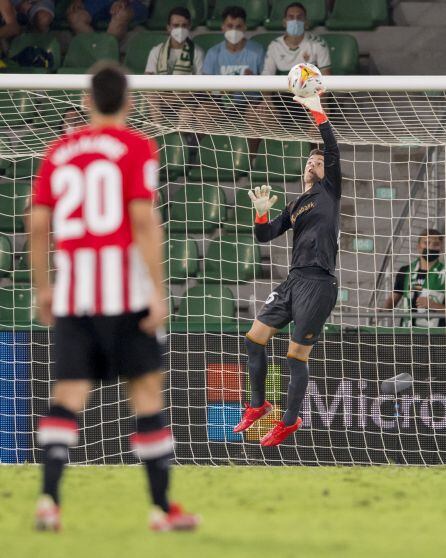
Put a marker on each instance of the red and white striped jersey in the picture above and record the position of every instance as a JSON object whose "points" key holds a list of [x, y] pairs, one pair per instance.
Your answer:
{"points": [[89, 178]]}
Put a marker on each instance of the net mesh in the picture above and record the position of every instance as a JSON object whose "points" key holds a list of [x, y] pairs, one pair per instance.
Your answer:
{"points": [[213, 149]]}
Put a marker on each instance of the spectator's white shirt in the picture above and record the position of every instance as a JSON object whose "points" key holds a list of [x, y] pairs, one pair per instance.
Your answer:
{"points": [[174, 54], [280, 58]]}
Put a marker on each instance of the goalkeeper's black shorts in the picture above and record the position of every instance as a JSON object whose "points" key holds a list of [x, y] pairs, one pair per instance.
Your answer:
{"points": [[104, 348], [306, 298]]}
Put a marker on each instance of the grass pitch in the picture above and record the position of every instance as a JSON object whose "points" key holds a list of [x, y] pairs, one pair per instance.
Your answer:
{"points": [[277, 512]]}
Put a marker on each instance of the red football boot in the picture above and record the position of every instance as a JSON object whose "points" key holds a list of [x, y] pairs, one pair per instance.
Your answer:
{"points": [[278, 434], [252, 414], [175, 520]]}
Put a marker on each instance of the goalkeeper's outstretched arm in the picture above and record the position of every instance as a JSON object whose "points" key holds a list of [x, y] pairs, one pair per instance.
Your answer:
{"points": [[266, 230], [332, 159]]}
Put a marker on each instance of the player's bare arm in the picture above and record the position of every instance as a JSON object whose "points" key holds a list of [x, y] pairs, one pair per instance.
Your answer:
{"points": [[40, 236], [148, 235]]}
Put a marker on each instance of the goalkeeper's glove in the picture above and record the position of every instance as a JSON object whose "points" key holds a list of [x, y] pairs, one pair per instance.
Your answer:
{"points": [[313, 104], [262, 202]]}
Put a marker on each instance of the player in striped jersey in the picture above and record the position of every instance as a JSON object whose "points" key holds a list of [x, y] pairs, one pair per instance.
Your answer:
{"points": [[97, 186]]}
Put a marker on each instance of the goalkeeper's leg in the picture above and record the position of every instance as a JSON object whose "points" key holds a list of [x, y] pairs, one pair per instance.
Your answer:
{"points": [[153, 444], [57, 432], [255, 342]]}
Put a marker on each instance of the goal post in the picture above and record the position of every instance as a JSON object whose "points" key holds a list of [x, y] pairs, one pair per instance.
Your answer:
{"points": [[377, 391]]}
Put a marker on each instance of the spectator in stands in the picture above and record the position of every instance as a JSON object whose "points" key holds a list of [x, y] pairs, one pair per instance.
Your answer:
{"points": [[421, 284], [236, 55], [296, 45], [83, 15], [38, 14], [178, 54], [9, 26]]}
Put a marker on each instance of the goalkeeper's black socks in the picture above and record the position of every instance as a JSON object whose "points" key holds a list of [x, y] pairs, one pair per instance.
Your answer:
{"points": [[258, 368], [153, 444], [296, 389], [57, 432]]}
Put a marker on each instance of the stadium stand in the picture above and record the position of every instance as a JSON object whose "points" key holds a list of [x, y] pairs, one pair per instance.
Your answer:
{"points": [[160, 10], [87, 48], [256, 11], [211, 303], [316, 12]]}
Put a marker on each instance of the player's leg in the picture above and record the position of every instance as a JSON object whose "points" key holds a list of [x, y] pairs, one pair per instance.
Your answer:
{"points": [[153, 444], [75, 351], [297, 358], [275, 314], [140, 359], [58, 431], [255, 341], [313, 299]]}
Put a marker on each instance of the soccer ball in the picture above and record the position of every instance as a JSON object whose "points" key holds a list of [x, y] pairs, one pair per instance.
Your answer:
{"points": [[305, 80]]}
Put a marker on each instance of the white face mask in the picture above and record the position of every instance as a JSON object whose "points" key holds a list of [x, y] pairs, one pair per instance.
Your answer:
{"points": [[179, 34], [234, 36]]}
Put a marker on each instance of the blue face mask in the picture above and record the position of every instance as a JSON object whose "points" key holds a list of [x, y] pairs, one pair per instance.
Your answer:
{"points": [[295, 27]]}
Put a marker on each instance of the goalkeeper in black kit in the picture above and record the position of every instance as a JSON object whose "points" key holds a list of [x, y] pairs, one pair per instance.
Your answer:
{"points": [[309, 294]]}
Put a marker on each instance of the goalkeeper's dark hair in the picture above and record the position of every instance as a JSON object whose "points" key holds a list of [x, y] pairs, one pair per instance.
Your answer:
{"points": [[108, 87], [316, 152], [430, 232], [234, 12], [179, 11], [295, 5]]}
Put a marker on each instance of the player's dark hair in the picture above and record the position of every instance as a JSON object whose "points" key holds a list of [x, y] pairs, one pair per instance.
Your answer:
{"points": [[234, 12], [108, 87], [316, 152], [295, 5], [179, 11], [430, 232]]}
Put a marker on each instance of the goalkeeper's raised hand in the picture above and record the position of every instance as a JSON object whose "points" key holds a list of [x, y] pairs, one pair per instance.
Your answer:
{"points": [[314, 105], [261, 201]]}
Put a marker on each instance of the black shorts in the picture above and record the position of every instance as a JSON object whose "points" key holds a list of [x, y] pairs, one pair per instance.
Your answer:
{"points": [[307, 299], [104, 347]]}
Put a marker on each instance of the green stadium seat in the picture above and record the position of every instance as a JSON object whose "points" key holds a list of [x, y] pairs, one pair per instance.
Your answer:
{"points": [[316, 13], [47, 42], [16, 306], [265, 39], [24, 168], [5, 149], [87, 48], [231, 259], [208, 40], [277, 161], [162, 202], [181, 259], [207, 304], [242, 217], [197, 208], [139, 47], [344, 53], [357, 14], [160, 11], [5, 256], [174, 156], [16, 108], [22, 272], [14, 200], [256, 12], [221, 158], [380, 11]]}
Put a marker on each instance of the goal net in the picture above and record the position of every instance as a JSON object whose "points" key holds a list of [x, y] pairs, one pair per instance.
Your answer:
{"points": [[377, 391]]}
